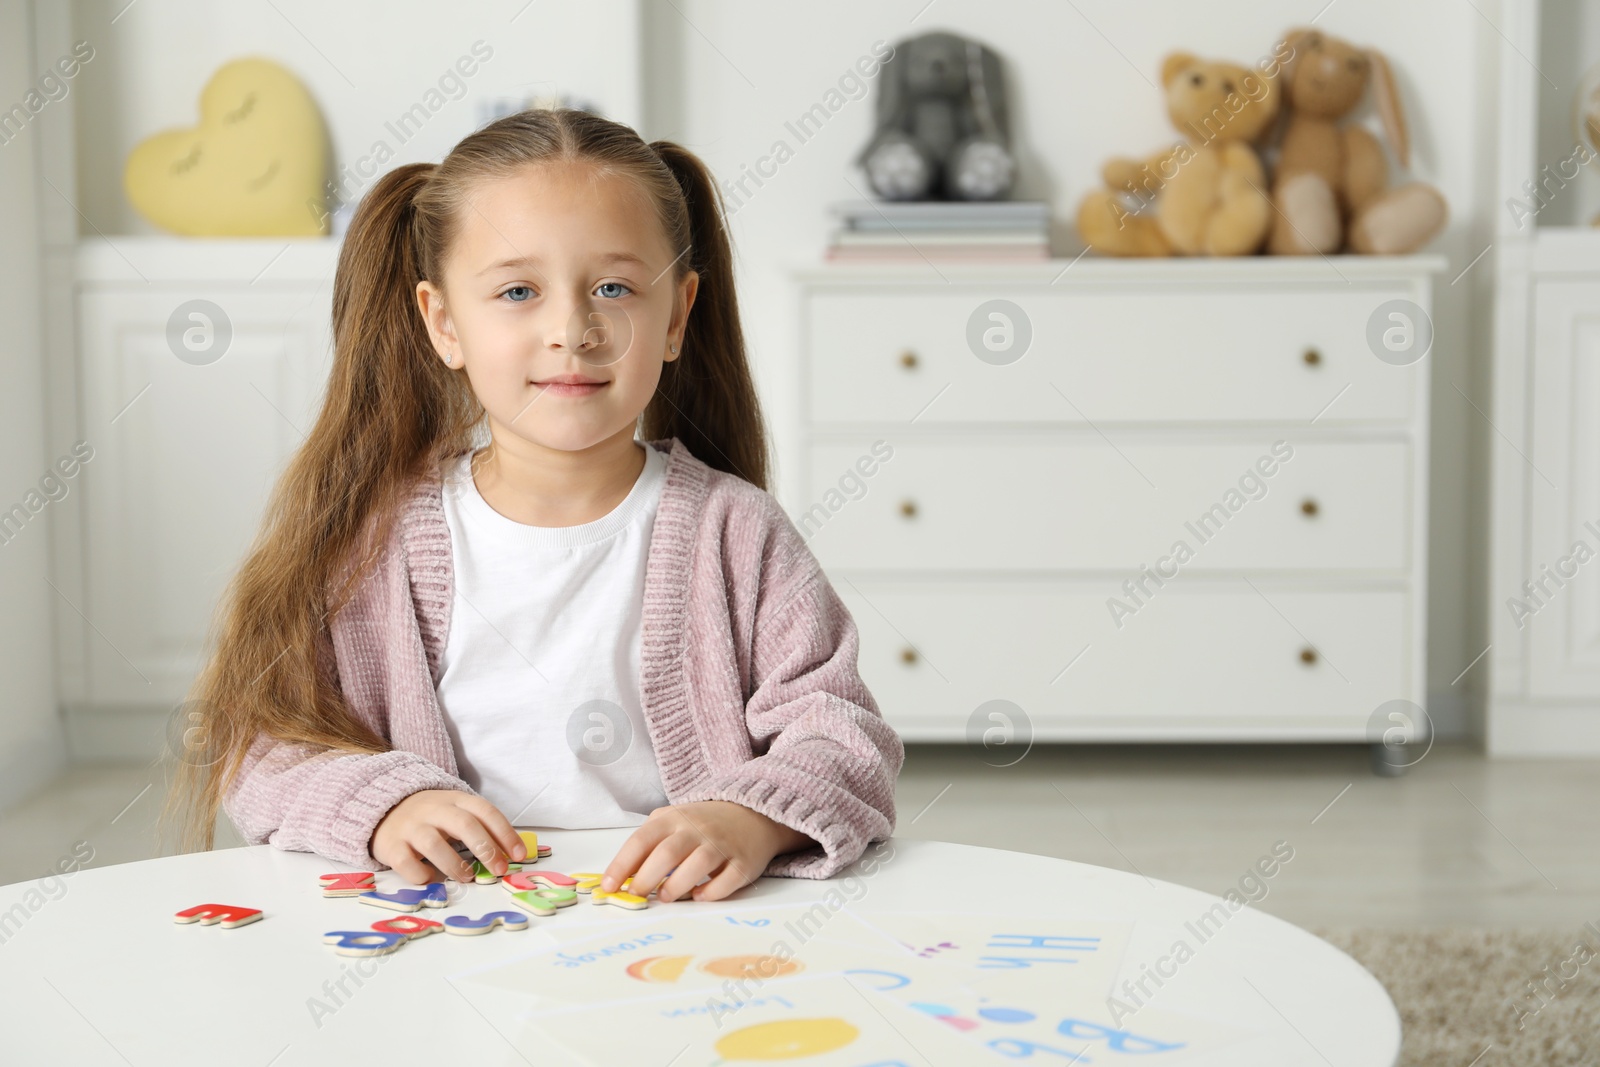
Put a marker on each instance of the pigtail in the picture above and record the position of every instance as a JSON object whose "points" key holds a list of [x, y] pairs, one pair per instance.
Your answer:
{"points": [[706, 397], [389, 408], [393, 407]]}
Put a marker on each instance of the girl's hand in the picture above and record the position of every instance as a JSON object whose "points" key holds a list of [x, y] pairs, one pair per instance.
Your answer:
{"points": [[683, 843], [421, 827]]}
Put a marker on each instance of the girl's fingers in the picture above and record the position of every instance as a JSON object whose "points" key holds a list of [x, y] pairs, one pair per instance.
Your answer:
{"points": [[464, 826], [437, 848], [726, 881], [430, 874], [667, 854], [414, 869], [701, 862], [498, 826], [626, 862]]}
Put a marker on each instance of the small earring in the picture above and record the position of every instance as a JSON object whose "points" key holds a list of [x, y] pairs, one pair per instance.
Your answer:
{"points": [[674, 348]]}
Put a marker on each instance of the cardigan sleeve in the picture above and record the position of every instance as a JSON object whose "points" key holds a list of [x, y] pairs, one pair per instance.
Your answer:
{"points": [[828, 760], [305, 799]]}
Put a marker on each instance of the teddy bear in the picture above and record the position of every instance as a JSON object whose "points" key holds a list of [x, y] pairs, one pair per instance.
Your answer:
{"points": [[1206, 196], [1330, 183]]}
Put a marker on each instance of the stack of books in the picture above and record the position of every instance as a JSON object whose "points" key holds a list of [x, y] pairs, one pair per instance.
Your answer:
{"points": [[886, 231]]}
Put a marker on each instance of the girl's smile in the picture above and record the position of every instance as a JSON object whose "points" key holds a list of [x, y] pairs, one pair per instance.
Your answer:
{"points": [[574, 385]]}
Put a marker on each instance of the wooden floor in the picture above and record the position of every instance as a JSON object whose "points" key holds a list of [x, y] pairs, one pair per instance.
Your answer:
{"points": [[1459, 841]]}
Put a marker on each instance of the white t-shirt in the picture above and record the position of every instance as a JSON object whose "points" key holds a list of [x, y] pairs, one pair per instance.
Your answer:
{"points": [[540, 673]]}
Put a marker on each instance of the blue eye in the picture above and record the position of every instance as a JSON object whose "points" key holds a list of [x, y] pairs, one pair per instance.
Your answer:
{"points": [[619, 285], [514, 289]]}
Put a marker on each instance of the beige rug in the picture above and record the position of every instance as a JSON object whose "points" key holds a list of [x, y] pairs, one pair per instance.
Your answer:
{"points": [[1462, 993]]}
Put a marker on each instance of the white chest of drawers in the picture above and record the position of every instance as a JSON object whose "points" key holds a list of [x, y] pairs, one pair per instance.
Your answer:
{"points": [[1176, 500]]}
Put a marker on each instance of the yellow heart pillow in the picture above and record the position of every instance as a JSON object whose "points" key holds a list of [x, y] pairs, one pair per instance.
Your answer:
{"points": [[255, 166]]}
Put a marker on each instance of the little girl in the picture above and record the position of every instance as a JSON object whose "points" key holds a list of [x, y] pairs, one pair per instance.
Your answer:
{"points": [[432, 641]]}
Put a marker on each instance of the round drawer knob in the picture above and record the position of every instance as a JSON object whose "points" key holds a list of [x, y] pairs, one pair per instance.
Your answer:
{"points": [[1312, 357], [1308, 655], [908, 654], [908, 508], [1308, 506], [908, 359]]}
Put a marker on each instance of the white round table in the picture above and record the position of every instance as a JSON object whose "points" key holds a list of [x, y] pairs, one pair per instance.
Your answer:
{"points": [[93, 968]]}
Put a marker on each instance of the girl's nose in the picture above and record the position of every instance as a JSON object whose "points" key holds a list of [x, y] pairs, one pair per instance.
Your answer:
{"points": [[573, 326], [597, 332]]}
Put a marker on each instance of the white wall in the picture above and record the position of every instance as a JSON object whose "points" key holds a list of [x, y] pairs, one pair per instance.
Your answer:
{"points": [[364, 63], [32, 744], [723, 78], [1082, 79]]}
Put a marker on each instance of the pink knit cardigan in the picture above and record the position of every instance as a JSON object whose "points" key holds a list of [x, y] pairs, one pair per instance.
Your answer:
{"points": [[748, 684]]}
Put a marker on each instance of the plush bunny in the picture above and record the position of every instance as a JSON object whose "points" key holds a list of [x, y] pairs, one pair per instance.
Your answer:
{"points": [[942, 129], [1330, 183], [1204, 197]]}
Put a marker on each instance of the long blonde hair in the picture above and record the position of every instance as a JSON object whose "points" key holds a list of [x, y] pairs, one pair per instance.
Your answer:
{"points": [[392, 409]]}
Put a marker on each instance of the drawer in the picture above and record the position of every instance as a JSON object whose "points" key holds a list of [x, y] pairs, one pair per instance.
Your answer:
{"points": [[1205, 659], [1146, 354], [1080, 503]]}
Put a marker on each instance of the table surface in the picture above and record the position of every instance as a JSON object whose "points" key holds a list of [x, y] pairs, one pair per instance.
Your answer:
{"points": [[93, 969]]}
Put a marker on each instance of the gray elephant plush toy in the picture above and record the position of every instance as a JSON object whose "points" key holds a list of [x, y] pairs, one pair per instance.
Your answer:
{"points": [[942, 130]]}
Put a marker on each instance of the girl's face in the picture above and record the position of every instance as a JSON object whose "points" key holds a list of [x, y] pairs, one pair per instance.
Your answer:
{"points": [[559, 302]]}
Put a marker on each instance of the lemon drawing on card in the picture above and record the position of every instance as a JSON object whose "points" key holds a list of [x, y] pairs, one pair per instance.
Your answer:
{"points": [[787, 1039], [254, 166]]}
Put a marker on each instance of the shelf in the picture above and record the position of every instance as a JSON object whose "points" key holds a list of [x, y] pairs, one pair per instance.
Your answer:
{"points": [[1108, 269], [261, 261]]}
